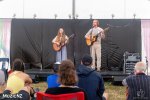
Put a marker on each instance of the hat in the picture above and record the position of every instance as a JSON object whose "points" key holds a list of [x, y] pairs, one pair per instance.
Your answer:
{"points": [[87, 60]]}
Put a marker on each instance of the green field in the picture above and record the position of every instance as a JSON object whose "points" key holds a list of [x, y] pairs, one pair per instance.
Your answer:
{"points": [[114, 92]]}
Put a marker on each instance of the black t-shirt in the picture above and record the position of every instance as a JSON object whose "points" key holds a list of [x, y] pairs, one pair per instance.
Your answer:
{"points": [[64, 90]]}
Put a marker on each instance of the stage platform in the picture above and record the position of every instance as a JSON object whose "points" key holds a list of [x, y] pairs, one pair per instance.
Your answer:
{"points": [[113, 73], [39, 72], [116, 75]]}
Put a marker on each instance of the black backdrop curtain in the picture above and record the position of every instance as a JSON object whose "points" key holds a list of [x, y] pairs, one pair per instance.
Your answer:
{"points": [[31, 39]]}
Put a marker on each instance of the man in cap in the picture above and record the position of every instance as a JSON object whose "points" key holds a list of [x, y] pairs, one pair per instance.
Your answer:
{"points": [[90, 80]]}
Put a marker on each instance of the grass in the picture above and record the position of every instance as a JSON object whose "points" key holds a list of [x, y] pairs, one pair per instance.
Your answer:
{"points": [[42, 86], [114, 92]]}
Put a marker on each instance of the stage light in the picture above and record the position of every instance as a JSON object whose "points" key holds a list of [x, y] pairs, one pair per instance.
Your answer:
{"points": [[55, 16], [77, 16], [112, 15], [134, 15], [91, 16], [34, 16], [69, 16], [14, 15]]}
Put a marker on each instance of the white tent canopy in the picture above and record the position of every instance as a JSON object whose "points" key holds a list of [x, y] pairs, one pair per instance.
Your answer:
{"points": [[98, 8]]}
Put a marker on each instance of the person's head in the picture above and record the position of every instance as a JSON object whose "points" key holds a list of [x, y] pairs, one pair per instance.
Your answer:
{"points": [[95, 23], [86, 60], [56, 67], [17, 65], [140, 67], [61, 32], [67, 73]]}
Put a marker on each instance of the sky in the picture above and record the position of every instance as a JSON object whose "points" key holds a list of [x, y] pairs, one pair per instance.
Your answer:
{"points": [[102, 9]]}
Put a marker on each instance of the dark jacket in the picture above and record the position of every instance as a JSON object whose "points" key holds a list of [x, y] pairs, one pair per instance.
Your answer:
{"points": [[91, 81], [138, 87]]}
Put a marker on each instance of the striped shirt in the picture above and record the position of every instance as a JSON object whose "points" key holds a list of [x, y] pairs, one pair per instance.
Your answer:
{"points": [[138, 87]]}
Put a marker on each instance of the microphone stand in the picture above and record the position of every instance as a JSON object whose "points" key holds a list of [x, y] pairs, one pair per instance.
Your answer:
{"points": [[61, 48]]}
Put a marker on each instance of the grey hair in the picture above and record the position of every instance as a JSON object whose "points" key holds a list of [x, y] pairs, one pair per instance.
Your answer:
{"points": [[140, 68]]}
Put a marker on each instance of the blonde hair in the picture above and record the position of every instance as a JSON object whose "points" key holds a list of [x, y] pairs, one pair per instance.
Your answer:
{"points": [[63, 36]]}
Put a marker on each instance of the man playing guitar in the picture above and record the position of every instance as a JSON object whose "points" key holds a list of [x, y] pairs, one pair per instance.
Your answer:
{"points": [[60, 42], [94, 35]]}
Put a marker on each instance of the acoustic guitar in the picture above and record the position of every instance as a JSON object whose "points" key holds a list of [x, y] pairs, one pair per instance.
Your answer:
{"points": [[57, 47], [91, 39]]}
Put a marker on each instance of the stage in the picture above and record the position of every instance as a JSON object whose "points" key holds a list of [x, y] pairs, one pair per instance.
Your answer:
{"points": [[31, 42], [38, 73]]}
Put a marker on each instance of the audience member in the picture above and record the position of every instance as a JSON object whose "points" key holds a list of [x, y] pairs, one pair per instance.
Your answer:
{"points": [[52, 79], [138, 85], [67, 79], [23, 94], [90, 80], [18, 79]]}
